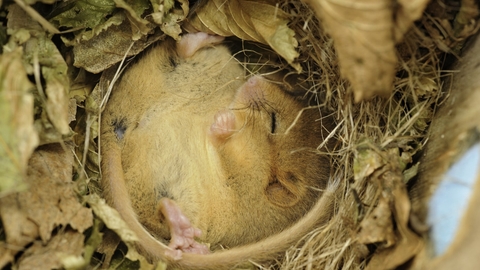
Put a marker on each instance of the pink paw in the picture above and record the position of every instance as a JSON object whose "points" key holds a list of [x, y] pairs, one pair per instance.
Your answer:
{"points": [[181, 230], [191, 43], [223, 125]]}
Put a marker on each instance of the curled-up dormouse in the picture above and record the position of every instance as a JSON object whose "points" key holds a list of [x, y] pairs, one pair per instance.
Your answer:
{"points": [[194, 151]]}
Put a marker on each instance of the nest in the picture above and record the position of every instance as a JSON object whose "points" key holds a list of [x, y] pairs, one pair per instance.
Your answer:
{"points": [[378, 139]]}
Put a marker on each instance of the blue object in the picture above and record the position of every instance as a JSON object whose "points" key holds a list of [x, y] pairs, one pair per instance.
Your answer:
{"points": [[450, 200]]}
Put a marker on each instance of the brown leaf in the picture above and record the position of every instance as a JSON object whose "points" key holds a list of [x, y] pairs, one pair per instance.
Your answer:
{"points": [[257, 21], [109, 48], [366, 162], [49, 202], [72, 110], [408, 244], [18, 137], [34, 15], [139, 27], [45, 60], [214, 18], [19, 230], [57, 86], [234, 12], [108, 246], [466, 21], [168, 16], [111, 218], [51, 256], [5, 255], [243, 21], [19, 19], [362, 32], [114, 222], [55, 202], [377, 227], [365, 34]]}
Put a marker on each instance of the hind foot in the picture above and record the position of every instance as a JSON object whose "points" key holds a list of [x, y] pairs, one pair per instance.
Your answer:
{"points": [[181, 231]]}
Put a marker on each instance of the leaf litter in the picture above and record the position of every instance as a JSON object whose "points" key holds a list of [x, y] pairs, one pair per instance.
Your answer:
{"points": [[57, 61]]}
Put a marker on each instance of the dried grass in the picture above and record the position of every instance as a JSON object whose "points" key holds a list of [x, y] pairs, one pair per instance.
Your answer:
{"points": [[399, 121]]}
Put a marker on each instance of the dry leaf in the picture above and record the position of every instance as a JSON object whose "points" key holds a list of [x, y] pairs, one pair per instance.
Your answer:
{"points": [[93, 18], [57, 85], [18, 137], [411, 172], [111, 218], [109, 48], [19, 230], [362, 32], [466, 20], [140, 27], [377, 227], [52, 255], [49, 202], [256, 21], [105, 30], [234, 12], [408, 244], [387, 224], [365, 34], [87, 34], [44, 60], [94, 241], [108, 246], [171, 17], [114, 222], [213, 16], [82, 14], [366, 162]]}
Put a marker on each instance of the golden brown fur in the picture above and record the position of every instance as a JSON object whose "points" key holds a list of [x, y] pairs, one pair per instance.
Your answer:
{"points": [[240, 179]]}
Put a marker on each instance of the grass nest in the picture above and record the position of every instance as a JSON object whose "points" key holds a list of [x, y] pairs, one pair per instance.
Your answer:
{"points": [[379, 139]]}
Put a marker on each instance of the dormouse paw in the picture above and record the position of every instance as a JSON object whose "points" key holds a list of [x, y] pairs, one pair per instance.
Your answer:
{"points": [[181, 231], [191, 43], [223, 125]]}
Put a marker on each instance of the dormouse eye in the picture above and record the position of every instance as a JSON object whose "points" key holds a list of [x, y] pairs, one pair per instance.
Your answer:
{"points": [[273, 123]]}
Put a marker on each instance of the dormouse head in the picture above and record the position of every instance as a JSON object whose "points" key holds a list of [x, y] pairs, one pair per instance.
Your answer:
{"points": [[268, 138]]}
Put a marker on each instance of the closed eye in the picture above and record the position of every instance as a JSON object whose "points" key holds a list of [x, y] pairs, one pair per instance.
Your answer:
{"points": [[273, 123]]}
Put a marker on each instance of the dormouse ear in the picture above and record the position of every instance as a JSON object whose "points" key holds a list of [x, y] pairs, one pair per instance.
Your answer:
{"points": [[285, 191], [191, 43]]}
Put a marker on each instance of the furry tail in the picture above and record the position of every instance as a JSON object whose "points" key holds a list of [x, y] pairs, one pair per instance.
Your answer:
{"points": [[264, 250], [116, 193], [117, 196]]}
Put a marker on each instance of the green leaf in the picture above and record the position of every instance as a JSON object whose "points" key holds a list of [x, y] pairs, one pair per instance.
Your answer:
{"points": [[83, 13], [41, 51], [134, 9]]}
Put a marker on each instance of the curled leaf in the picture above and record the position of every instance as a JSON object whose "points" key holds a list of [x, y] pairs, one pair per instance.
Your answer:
{"points": [[140, 27], [109, 48], [18, 137], [365, 33], [262, 22], [171, 17], [111, 218], [50, 202], [366, 162], [82, 13], [43, 59]]}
